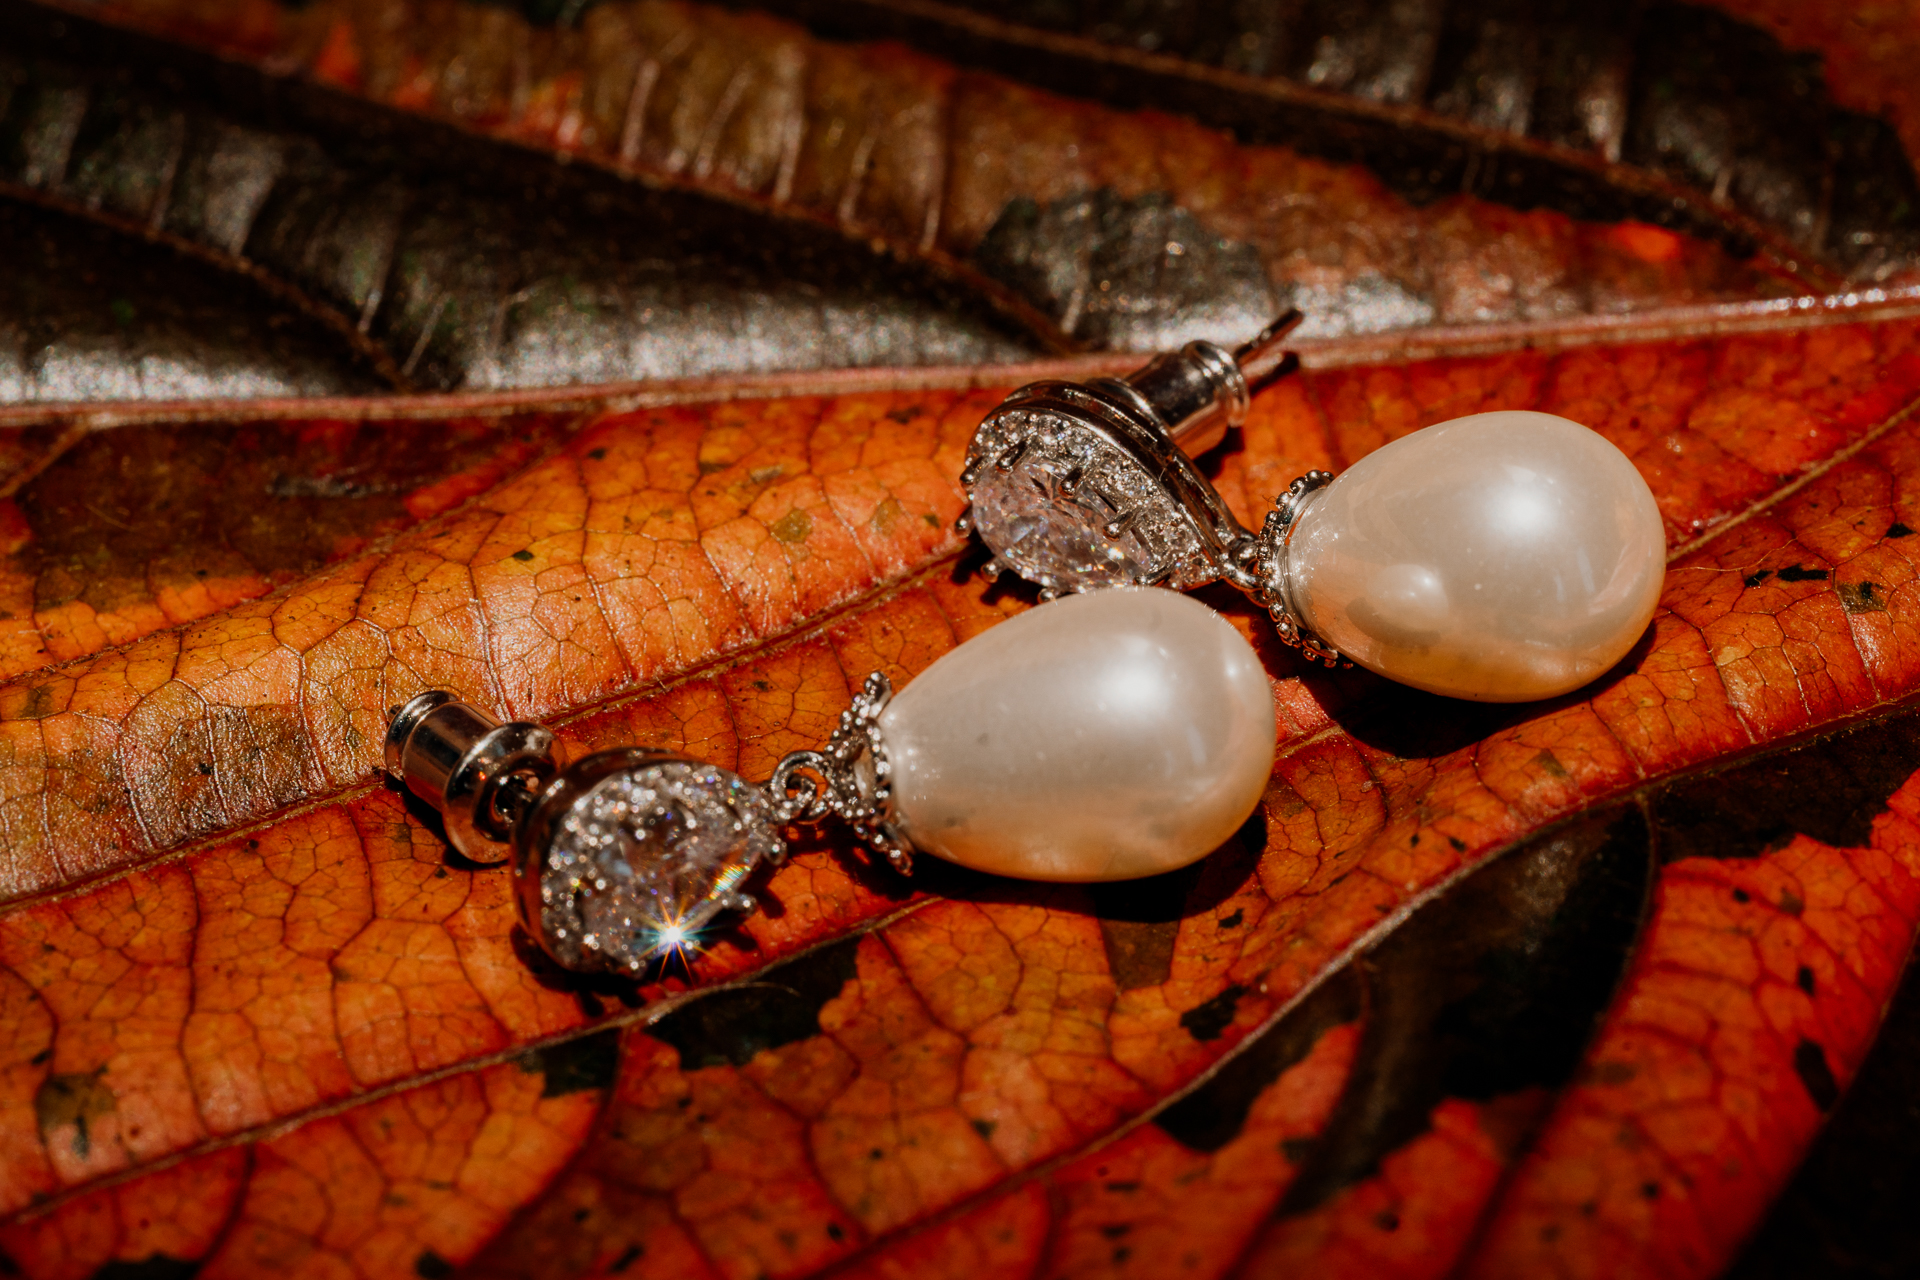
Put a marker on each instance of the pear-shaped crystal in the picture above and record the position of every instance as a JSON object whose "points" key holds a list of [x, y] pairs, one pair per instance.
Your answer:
{"points": [[646, 858], [1066, 508]]}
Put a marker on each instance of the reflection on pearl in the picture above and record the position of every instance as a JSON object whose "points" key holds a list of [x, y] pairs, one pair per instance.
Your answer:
{"points": [[1100, 737], [1501, 557]]}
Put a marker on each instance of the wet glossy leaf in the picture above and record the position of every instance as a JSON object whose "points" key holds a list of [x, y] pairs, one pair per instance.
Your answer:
{"points": [[437, 261], [87, 314], [1569, 988], [1673, 115], [922, 210], [1525, 104]]}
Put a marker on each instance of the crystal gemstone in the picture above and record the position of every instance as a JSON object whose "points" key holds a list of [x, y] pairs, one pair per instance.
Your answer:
{"points": [[1051, 516], [647, 857]]}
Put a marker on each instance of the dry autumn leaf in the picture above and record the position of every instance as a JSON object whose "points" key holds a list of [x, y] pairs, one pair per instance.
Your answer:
{"points": [[742, 195], [1565, 989]]}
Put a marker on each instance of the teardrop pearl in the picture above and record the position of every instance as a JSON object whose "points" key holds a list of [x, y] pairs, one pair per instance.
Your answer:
{"points": [[1100, 737], [1501, 557]]}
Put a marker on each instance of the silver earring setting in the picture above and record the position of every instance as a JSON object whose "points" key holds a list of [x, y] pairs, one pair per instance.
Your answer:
{"points": [[1500, 557], [1078, 486], [1100, 737], [626, 855], [1117, 730]]}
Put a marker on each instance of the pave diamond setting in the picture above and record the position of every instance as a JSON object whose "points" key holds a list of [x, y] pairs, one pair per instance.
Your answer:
{"points": [[646, 857], [1076, 486], [1075, 511]]}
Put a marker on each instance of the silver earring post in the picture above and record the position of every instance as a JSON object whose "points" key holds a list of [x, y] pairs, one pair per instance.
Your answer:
{"points": [[627, 855]]}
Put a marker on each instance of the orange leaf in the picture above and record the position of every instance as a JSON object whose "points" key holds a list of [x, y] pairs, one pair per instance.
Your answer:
{"points": [[276, 957]]}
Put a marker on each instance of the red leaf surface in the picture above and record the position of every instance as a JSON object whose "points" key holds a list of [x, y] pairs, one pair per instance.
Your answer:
{"points": [[239, 969], [1561, 989]]}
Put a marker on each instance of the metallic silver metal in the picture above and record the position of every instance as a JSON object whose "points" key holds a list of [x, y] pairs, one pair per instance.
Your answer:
{"points": [[1119, 423], [1148, 423], [535, 833], [1272, 584], [499, 790], [1136, 479], [1201, 390], [850, 778], [479, 773], [1196, 393], [1263, 358], [1126, 394]]}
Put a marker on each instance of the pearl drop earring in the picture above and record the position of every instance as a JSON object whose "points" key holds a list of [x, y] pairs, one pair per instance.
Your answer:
{"points": [[1100, 737], [1109, 734], [1501, 557]]}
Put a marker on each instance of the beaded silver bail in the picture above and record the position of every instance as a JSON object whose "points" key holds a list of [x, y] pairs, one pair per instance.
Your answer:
{"points": [[1271, 581]]}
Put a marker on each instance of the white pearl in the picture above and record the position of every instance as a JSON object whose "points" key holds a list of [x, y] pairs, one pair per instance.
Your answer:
{"points": [[1100, 737], [1501, 557]]}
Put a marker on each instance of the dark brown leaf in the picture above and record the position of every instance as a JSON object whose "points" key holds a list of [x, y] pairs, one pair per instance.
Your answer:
{"points": [[456, 263], [87, 313], [1088, 209], [1669, 113]]}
